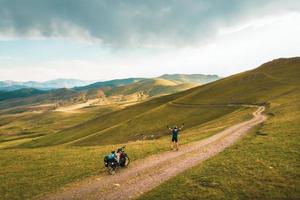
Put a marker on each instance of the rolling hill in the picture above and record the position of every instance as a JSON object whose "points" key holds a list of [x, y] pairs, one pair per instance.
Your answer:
{"points": [[263, 164], [109, 84], [30, 96], [257, 86], [151, 87], [132, 89], [190, 78], [178, 78], [21, 93]]}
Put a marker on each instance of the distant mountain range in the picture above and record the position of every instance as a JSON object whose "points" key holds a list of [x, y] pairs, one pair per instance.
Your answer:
{"points": [[47, 85], [63, 92], [80, 85]]}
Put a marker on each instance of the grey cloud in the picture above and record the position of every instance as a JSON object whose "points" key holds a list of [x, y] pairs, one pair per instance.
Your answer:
{"points": [[132, 22]]}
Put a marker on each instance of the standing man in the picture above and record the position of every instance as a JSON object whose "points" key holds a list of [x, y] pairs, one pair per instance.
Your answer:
{"points": [[174, 131]]}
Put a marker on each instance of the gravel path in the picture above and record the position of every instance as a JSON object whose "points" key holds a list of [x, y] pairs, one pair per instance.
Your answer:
{"points": [[143, 175]]}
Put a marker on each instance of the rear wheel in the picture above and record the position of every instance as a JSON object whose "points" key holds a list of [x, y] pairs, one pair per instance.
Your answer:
{"points": [[127, 161]]}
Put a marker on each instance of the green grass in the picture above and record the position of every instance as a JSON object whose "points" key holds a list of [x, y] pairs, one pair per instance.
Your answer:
{"points": [[263, 165], [97, 124], [149, 124], [151, 87], [149, 118], [26, 173], [34, 125], [242, 171], [256, 86]]}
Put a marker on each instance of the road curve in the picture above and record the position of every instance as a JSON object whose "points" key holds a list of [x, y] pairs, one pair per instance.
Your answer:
{"points": [[143, 175]]}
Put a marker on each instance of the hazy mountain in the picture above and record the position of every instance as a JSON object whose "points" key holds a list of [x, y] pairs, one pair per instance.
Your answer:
{"points": [[86, 85], [32, 92], [110, 83], [47, 85], [6, 88]]}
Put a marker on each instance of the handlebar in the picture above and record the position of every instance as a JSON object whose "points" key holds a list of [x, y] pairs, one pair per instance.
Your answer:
{"points": [[121, 149]]}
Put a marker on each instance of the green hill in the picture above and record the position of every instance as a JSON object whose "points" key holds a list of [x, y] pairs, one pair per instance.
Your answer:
{"points": [[151, 87], [264, 164], [110, 83], [150, 118], [141, 87], [30, 97], [190, 78], [178, 78], [255, 86], [21, 93]]}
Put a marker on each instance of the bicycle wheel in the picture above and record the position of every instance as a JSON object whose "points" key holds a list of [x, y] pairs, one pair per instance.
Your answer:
{"points": [[127, 161]]}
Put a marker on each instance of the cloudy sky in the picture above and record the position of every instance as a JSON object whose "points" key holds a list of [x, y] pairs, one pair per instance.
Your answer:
{"points": [[105, 39]]}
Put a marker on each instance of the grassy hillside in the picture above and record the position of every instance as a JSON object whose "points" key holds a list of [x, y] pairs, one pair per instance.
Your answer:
{"points": [[255, 86], [34, 124], [133, 89], [128, 121], [151, 87], [110, 83], [21, 93], [264, 165], [190, 78], [150, 118], [30, 172], [35, 97]]}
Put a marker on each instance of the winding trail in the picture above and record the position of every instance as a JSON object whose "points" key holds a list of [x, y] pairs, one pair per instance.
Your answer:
{"points": [[143, 175]]}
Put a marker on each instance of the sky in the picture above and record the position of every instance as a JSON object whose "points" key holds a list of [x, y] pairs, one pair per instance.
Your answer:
{"points": [[109, 39]]}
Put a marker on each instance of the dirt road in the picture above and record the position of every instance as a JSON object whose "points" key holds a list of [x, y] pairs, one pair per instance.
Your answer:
{"points": [[143, 175]]}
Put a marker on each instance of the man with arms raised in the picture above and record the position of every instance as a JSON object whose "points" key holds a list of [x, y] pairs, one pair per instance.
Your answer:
{"points": [[175, 131]]}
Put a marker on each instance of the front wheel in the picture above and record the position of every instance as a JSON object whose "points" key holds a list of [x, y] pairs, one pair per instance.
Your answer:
{"points": [[111, 170]]}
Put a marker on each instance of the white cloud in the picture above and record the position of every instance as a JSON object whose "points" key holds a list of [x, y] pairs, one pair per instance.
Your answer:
{"points": [[132, 23], [234, 49]]}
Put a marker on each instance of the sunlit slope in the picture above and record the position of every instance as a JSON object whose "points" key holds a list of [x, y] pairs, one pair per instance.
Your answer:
{"points": [[100, 123], [152, 124], [132, 89], [263, 165], [190, 78], [151, 87], [256, 86], [148, 120], [35, 97]]}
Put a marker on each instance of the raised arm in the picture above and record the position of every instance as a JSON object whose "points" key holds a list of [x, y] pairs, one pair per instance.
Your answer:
{"points": [[181, 127], [169, 128]]}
